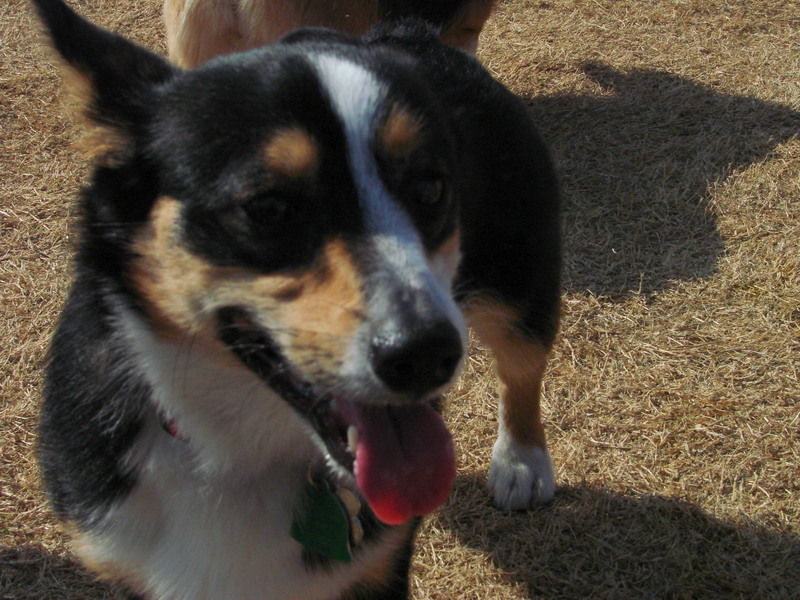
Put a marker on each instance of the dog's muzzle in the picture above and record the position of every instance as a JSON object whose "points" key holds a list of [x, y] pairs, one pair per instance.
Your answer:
{"points": [[400, 453]]}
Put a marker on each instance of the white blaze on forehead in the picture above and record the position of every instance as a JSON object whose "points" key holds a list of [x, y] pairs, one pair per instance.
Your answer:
{"points": [[358, 97]]}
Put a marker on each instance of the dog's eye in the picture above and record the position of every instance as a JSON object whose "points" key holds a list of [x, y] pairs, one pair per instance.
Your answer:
{"points": [[430, 191], [268, 210]]}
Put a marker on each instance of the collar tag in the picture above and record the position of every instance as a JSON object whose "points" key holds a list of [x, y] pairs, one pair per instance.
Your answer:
{"points": [[324, 526]]}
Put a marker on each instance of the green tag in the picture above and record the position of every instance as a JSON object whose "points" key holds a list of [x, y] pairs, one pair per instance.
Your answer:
{"points": [[324, 526]]}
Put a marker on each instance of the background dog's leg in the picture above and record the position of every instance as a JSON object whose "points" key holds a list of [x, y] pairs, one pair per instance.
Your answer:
{"points": [[464, 28], [521, 473]]}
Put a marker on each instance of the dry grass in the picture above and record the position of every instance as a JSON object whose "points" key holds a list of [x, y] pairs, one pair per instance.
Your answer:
{"points": [[672, 399]]}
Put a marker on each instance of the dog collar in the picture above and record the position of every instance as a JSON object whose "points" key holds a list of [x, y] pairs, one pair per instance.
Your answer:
{"points": [[328, 524], [172, 429]]}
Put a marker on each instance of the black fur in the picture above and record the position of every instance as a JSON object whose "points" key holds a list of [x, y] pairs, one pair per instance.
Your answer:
{"points": [[509, 197], [435, 12]]}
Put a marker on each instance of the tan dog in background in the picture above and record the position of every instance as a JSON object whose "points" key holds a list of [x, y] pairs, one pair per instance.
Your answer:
{"points": [[198, 30]]}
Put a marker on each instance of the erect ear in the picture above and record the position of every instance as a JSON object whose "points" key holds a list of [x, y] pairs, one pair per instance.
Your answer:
{"points": [[108, 77]]}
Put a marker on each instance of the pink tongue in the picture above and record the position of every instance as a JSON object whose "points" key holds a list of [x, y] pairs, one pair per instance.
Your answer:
{"points": [[405, 462]]}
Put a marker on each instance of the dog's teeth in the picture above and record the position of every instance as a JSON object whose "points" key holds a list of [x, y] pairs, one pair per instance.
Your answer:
{"points": [[352, 438]]}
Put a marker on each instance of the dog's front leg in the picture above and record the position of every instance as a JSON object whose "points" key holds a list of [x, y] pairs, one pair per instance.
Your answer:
{"points": [[521, 473]]}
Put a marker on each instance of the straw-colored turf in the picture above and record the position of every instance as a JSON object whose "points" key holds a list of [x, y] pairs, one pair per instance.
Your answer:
{"points": [[673, 396]]}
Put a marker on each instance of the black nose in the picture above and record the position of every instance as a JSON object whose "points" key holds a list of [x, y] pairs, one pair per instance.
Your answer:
{"points": [[416, 362]]}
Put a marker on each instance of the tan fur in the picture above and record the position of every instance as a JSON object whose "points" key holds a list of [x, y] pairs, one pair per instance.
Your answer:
{"points": [[103, 143], [292, 152], [315, 310], [168, 277], [198, 30], [400, 133], [87, 551], [520, 364], [465, 28], [330, 308], [381, 566]]}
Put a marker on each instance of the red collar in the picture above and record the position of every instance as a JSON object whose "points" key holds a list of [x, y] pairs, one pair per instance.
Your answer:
{"points": [[171, 428]]}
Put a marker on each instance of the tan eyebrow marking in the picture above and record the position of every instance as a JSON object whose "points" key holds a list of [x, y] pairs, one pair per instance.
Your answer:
{"points": [[292, 152], [400, 134]]}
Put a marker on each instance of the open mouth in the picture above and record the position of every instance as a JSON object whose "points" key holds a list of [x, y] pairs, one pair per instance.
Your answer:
{"points": [[402, 456]]}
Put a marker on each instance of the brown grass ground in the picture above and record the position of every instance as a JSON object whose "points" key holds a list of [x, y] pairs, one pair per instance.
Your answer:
{"points": [[672, 399]]}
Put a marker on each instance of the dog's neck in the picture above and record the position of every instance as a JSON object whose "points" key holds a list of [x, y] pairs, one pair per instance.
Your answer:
{"points": [[235, 423], [328, 524]]}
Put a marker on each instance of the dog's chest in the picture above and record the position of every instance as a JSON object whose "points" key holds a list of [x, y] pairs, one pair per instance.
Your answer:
{"points": [[210, 515], [207, 537]]}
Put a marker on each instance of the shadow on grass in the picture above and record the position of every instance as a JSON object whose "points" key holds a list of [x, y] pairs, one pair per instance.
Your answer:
{"points": [[34, 573], [598, 544], [637, 161], [586, 544]]}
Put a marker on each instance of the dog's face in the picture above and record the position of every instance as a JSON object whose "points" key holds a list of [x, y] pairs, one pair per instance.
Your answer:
{"points": [[306, 221], [295, 206]]}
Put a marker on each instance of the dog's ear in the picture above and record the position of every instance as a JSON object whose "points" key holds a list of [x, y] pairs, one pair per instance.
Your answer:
{"points": [[109, 78]]}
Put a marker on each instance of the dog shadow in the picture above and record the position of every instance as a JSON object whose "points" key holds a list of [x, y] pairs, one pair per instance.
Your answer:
{"points": [[34, 573], [593, 543], [638, 160]]}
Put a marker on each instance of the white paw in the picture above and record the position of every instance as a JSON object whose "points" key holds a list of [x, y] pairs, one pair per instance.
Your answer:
{"points": [[520, 476]]}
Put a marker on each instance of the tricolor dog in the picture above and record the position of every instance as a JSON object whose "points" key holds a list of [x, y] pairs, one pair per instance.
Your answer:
{"points": [[198, 30], [278, 255]]}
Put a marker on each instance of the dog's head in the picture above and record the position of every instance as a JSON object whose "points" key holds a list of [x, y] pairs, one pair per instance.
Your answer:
{"points": [[293, 206]]}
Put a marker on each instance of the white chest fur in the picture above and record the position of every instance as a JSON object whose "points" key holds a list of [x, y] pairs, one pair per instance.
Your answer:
{"points": [[209, 518], [196, 536]]}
